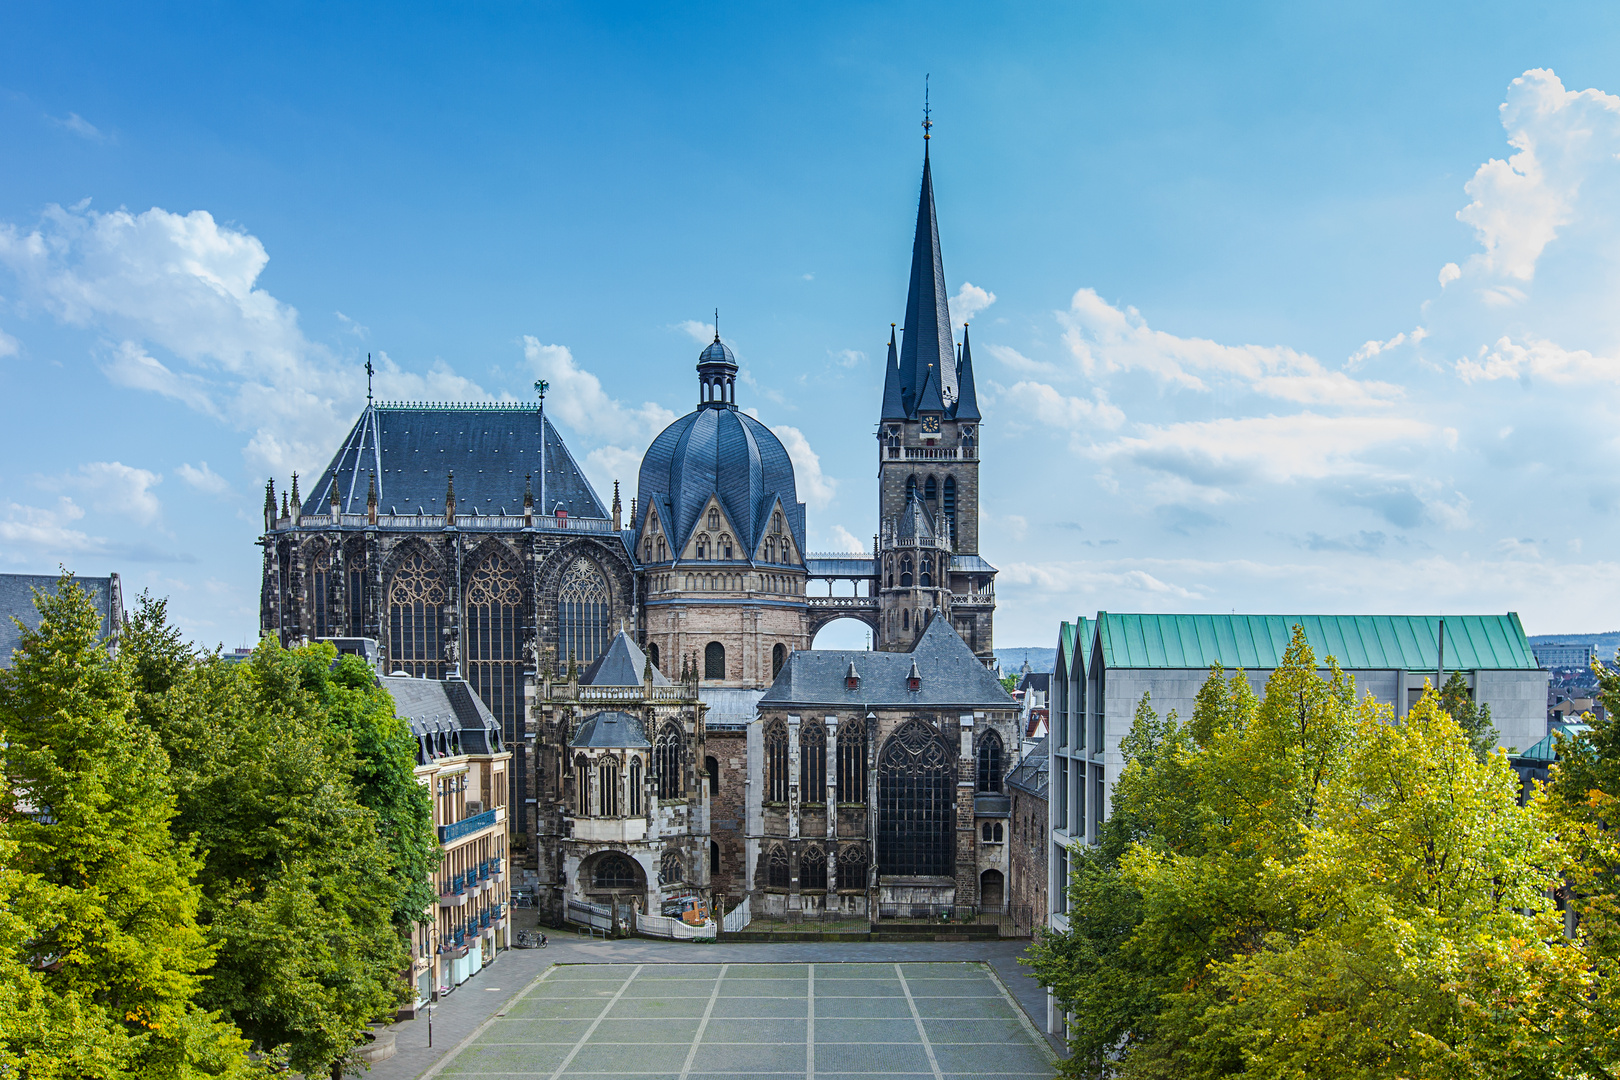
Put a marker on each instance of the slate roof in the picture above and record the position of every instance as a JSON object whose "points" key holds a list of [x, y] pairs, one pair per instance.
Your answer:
{"points": [[951, 676], [967, 404], [914, 520], [491, 448], [1039, 680], [970, 564], [1358, 642], [719, 451], [611, 730], [440, 706], [839, 566], [622, 663], [730, 708], [927, 341], [17, 601], [1033, 772]]}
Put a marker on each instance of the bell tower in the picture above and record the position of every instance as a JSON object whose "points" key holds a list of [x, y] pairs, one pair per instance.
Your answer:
{"points": [[928, 562]]}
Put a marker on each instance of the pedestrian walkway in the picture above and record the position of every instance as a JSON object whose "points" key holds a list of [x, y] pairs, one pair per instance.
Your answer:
{"points": [[476, 1002]]}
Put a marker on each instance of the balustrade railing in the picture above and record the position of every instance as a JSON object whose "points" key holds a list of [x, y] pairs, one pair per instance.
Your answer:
{"points": [[857, 602], [539, 522], [466, 826]]}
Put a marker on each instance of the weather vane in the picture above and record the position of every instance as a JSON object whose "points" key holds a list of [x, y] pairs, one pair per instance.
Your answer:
{"points": [[927, 123], [540, 388], [368, 378]]}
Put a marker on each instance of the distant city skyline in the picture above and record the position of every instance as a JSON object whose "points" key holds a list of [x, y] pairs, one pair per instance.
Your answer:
{"points": [[1272, 310]]}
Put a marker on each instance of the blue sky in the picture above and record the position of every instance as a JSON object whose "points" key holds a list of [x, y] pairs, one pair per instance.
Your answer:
{"points": [[1295, 308]]}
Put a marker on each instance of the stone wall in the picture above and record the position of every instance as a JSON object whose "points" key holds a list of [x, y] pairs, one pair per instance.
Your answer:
{"points": [[728, 812], [748, 628], [1026, 851]]}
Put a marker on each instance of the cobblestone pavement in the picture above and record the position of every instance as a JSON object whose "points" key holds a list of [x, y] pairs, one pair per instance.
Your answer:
{"points": [[474, 1004]]}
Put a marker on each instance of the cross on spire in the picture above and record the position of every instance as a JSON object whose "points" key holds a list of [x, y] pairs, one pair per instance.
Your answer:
{"points": [[927, 123], [717, 324]]}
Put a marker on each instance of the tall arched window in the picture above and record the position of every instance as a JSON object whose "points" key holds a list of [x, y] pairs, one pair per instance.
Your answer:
{"points": [[668, 763], [916, 804], [662, 550], [415, 610], [949, 507], [813, 763], [911, 486], [931, 489], [852, 868], [635, 787], [711, 765], [582, 613], [652, 654], [905, 571], [493, 642], [714, 660], [852, 762], [582, 786], [776, 762], [324, 575], [927, 571], [646, 550], [813, 869], [703, 545], [614, 871], [671, 869], [905, 619], [776, 868], [778, 658], [714, 858], [607, 787], [990, 769]]}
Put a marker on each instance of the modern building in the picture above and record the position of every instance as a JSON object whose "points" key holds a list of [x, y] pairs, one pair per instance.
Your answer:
{"points": [[462, 760], [17, 602], [1105, 665], [1565, 654], [879, 777]]}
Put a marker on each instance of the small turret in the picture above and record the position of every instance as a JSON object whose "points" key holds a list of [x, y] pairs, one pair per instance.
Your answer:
{"points": [[371, 499], [450, 499], [337, 503], [269, 504], [297, 501], [528, 500], [617, 512]]}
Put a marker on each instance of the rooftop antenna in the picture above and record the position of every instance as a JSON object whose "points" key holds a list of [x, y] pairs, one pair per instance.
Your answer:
{"points": [[368, 378], [927, 123]]}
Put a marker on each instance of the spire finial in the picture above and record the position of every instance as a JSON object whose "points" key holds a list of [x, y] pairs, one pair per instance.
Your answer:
{"points": [[540, 388], [368, 378], [717, 324], [927, 123]]}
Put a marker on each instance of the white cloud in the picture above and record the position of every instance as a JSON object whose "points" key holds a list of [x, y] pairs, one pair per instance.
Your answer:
{"points": [[700, 332], [113, 487], [816, 489], [1090, 579], [1519, 205], [844, 540], [1019, 362], [848, 358], [1228, 450], [46, 529], [1106, 340], [8, 344], [132, 366], [1051, 408], [1449, 273], [79, 126], [1542, 359], [204, 479], [970, 300]]}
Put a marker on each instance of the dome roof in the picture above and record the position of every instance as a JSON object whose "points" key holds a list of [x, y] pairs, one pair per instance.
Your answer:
{"points": [[723, 452], [717, 353]]}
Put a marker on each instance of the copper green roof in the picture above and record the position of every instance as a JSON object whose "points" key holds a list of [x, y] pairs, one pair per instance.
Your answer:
{"points": [[1074, 644], [1357, 642]]}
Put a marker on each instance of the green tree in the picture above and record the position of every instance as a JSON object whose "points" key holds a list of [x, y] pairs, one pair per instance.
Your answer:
{"points": [[104, 960], [1457, 701], [299, 888], [1296, 885]]}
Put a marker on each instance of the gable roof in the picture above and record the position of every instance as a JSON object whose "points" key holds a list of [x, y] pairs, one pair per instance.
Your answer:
{"points": [[434, 705], [622, 663], [950, 674], [1357, 642], [491, 448], [1033, 772]]}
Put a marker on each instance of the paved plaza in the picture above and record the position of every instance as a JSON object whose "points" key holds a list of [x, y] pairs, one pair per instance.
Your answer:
{"points": [[824, 1020]]}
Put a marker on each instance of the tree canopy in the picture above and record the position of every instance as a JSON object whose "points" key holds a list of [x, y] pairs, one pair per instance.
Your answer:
{"points": [[1296, 884]]}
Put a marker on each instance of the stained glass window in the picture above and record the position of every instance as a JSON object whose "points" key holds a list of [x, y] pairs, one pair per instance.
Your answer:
{"points": [[916, 804], [324, 577], [668, 762], [852, 868], [852, 762], [416, 600], [776, 762], [583, 613], [813, 868], [493, 642], [776, 868], [614, 871], [813, 763], [990, 769], [670, 869]]}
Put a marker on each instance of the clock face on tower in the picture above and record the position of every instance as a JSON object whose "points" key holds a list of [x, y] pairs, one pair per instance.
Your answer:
{"points": [[930, 425]]}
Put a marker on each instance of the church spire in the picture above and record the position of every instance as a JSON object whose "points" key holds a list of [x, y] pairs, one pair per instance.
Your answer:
{"points": [[893, 409], [928, 340], [967, 402]]}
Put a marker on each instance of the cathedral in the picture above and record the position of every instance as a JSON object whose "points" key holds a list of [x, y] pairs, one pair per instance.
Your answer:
{"points": [[465, 540]]}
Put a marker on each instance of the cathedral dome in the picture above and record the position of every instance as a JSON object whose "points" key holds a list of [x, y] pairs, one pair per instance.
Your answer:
{"points": [[727, 454]]}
